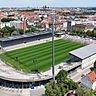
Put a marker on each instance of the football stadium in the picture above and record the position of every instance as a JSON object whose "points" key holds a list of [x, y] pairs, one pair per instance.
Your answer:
{"points": [[29, 63], [38, 57]]}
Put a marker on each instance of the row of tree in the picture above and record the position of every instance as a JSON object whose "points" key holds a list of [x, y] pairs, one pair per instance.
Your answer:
{"points": [[7, 19], [83, 33], [8, 31]]}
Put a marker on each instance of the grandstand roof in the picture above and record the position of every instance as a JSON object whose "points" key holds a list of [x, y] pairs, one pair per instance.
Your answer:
{"points": [[85, 51], [30, 34]]}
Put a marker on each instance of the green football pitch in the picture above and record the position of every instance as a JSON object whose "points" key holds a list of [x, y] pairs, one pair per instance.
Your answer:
{"points": [[38, 57]]}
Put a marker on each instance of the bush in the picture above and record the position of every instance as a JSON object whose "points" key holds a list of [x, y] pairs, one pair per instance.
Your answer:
{"points": [[21, 31]]}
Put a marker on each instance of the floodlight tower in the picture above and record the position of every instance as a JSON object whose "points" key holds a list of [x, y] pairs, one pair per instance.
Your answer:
{"points": [[53, 15]]}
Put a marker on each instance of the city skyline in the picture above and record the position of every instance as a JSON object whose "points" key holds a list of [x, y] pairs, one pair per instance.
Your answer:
{"points": [[50, 3]]}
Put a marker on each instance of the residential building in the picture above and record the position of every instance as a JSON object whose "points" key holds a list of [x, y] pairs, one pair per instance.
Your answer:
{"points": [[89, 80], [4, 24], [83, 27], [18, 24], [69, 27]]}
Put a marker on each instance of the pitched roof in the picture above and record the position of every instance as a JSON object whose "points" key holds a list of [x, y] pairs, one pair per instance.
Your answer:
{"points": [[85, 51], [92, 76]]}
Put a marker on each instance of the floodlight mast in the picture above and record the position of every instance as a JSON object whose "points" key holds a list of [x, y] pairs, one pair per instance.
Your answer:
{"points": [[53, 23]]}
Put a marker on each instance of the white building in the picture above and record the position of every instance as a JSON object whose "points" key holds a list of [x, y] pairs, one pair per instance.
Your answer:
{"points": [[67, 25], [4, 24], [89, 80], [86, 55], [16, 24]]}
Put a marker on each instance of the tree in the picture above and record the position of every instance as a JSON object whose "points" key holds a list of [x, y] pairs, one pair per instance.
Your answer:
{"points": [[33, 29], [42, 17], [89, 33], [94, 33], [62, 86], [53, 89], [83, 92], [95, 65], [61, 76], [2, 32], [21, 31], [37, 24], [7, 19], [10, 30], [72, 85]]}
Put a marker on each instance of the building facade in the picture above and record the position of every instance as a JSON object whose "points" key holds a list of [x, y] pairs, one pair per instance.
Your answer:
{"points": [[86, 55]]}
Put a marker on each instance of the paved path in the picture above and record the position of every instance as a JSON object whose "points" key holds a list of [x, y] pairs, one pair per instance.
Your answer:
{"points": [[38, 91], [78, 73]]}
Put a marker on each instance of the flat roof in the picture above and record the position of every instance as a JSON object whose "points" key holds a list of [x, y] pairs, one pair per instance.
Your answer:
{"points": [[85, 51], [23, 36]]}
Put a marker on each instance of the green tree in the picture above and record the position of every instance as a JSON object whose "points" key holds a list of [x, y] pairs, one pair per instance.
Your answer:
{"points": [[94, 33], [52, 89], [61, 86], [95, 64], [10, 29], [61, 76], [7, 19], [3, 32], [42, 17], [83, 92], [37, 24], [33, 29], [55, 89], [72, 85], [89, 33], [21, 31]]}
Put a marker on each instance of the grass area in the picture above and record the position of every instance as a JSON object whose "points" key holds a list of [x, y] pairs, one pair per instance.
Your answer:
{"points": [[38, 57]]}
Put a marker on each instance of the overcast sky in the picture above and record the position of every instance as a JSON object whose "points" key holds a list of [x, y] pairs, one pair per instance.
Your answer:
{"points": [[50, 3]]}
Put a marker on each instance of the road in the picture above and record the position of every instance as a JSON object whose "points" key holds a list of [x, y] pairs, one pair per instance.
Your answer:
{"points": [[77, 77]]}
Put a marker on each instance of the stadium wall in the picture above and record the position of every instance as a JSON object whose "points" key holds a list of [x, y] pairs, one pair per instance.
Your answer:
{"points": [[88, 61]]}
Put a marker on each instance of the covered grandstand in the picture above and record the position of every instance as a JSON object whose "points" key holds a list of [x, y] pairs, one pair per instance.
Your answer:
{"points": [[28, 37], [85, 56]]}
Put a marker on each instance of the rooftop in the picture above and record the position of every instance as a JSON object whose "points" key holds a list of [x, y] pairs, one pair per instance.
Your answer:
{"points": [[92, 76], [85, 51]]}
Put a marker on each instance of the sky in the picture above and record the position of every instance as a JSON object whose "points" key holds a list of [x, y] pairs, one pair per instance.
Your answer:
{"points": [[49, 3]]}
